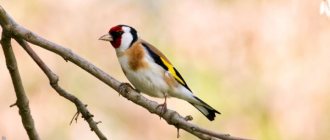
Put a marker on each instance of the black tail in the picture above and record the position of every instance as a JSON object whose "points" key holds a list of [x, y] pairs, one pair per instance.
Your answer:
{"points": [[205, 109]]}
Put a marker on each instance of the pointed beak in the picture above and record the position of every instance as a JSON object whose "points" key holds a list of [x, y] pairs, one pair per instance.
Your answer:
{"points": [[106, 37]]}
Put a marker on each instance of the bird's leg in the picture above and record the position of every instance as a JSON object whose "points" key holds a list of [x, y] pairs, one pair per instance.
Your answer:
{"points": [[164, 106]]}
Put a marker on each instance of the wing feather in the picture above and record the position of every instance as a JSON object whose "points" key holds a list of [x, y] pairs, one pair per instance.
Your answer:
{"points": [[162, 61]]}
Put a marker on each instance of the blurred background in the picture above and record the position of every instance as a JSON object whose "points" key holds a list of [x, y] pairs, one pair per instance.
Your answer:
{"points": [[263, 64]]}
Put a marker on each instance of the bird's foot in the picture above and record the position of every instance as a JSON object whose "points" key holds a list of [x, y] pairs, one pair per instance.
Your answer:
{"points": [[163, 108], [123, 88]]}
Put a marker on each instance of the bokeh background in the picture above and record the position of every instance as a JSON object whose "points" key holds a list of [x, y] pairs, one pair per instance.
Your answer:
{"points": [[263, 64]]}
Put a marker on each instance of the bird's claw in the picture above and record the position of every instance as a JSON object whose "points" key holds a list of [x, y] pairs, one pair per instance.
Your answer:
{"points": [[123, 87], [163, 108]]}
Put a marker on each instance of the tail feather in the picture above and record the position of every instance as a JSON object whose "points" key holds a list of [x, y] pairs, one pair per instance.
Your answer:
{"points": [[205, 109]]}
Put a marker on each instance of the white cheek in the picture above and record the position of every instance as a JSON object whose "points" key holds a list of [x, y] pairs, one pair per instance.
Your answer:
{"points": [[126, 40]]}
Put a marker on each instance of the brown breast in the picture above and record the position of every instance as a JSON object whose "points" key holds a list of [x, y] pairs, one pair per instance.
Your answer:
{"points": [[135, 56]]}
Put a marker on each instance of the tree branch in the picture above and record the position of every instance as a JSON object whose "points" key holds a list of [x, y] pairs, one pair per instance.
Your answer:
{"points": [[22, 101], [172, 117], [53, 79]]}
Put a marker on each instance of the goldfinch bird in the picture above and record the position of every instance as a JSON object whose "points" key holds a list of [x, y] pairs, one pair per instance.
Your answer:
{"points": [[149, 70]]}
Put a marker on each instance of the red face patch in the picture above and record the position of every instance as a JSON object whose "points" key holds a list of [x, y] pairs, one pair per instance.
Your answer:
{"points": [[116, 29], [116, 33]]}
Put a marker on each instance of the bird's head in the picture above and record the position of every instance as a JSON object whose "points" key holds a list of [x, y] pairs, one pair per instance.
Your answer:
{"points": [[121, 36]]}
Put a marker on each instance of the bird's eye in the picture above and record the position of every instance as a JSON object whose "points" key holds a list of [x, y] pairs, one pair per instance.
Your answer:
{"points": [[117, 33]]}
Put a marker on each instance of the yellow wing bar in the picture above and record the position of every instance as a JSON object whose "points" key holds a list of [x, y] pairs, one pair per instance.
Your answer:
{"points": [[172, 71]]}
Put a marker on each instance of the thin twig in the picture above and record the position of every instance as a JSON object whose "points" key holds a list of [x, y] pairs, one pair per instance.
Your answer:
{"points": [[22, 101], [53, 78], [170, 116], [75, 117]]}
